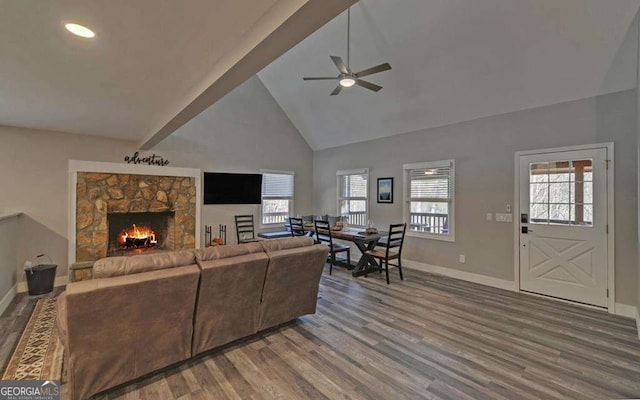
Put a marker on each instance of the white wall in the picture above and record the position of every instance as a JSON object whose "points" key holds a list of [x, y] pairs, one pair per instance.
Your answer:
{"points": [[484, 153], [244, 132]]}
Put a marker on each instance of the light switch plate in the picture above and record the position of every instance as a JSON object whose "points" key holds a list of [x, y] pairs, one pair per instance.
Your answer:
{"points": [[489, 217], [501, 217]]}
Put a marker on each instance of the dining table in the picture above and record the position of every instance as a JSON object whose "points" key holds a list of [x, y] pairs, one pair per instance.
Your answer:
{"points": [[364, 241]]}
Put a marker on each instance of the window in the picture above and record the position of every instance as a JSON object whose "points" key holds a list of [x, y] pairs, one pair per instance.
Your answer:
{"points": [[561, 192], [277, 196], [429, 199], [353, 190]]}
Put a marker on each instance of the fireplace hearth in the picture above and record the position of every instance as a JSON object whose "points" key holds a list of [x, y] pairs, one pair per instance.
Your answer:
{"points": [[131, 233]]}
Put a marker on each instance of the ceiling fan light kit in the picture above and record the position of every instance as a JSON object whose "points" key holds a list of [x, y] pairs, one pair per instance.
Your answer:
{"points": [[347, 81], [348, 78]]}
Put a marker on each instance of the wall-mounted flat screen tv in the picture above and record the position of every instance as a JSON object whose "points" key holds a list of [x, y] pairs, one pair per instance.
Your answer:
{"points": [[224, 188]]}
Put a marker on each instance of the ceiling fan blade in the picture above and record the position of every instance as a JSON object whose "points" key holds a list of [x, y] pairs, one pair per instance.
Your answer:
{"points": [[337, 90], [368, 85], [340, 64], [373, 70], [319, 78]]}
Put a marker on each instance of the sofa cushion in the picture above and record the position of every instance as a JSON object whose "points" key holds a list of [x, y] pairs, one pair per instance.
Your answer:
{"points": [[308, 219], [291, 286], [332, 220], [109, 267], [232, 250], [127, 265], [286, 243], [228, 300]]}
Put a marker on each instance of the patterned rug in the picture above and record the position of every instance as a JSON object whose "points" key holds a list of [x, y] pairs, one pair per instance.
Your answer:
{"points": [[39, 352]]}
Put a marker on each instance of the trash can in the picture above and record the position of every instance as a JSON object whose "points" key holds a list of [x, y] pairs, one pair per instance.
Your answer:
{"points": [[41, 273]]}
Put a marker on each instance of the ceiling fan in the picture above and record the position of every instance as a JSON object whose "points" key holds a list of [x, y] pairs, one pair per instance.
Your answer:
{"points": [[348, 78]]}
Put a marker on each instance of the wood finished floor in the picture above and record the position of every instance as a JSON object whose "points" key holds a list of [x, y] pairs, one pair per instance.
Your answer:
{"points": [[428, 337]]}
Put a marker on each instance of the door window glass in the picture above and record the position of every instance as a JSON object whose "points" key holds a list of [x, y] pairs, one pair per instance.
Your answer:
{"points": [[561, 192]]}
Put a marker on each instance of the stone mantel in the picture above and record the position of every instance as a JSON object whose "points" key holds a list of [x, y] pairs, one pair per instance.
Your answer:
{"points": [[98, 169]]}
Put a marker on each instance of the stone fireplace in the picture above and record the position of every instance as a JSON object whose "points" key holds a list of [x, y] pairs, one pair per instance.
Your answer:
{"points": [[122, 214]]}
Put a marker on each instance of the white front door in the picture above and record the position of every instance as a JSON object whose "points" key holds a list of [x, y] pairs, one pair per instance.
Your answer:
{"points": [[563, 225]]}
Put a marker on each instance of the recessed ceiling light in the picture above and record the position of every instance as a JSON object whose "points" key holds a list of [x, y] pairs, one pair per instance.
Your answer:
{"points": [[80, 30]]}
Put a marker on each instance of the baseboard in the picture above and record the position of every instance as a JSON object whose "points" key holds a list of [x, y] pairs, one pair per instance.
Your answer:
{"points": [[625, 310], [462, 275], [21, 287], [6, 300]]}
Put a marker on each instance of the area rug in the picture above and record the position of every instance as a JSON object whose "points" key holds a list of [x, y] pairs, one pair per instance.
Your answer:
{"points": [[39, 352]]}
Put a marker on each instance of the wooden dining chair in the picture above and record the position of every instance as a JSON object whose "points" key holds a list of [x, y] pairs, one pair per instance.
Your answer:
{"points": [[323, 235], [392, 249], [245, 232], [296, 226]]}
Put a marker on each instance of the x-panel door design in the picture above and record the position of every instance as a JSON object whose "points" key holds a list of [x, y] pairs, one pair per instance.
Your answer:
{"points": [[563, 225]]}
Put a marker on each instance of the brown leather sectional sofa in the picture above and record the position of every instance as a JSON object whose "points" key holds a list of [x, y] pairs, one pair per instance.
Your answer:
{"points": [[142, 313]]}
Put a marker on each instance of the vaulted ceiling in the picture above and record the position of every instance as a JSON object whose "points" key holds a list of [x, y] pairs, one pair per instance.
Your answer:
{"points": [[454, 60], [155, 65], [151, 66]]}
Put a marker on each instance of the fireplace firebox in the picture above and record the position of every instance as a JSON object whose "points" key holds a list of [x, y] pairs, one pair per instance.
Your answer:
{"points": [[140, 232]]}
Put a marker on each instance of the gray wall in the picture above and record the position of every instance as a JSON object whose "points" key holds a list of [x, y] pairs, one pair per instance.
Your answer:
{"points": [[34, 181], [638, 157], [484, 153], [8, 255], [244, 132]]}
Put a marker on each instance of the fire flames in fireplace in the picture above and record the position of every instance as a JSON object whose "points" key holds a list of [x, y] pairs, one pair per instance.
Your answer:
{"points": [[137, 237]]}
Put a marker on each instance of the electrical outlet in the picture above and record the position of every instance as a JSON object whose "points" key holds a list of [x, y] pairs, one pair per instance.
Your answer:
{"points": [[463, 259], [508, 208], [489, 217]]}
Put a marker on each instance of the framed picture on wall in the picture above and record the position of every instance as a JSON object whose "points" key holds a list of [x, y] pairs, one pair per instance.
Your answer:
{"points": [[385, 190]]}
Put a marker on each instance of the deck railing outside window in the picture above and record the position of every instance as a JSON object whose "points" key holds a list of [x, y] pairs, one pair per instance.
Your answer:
{"points": [[429, 222], [357, 218], [275, 218]]}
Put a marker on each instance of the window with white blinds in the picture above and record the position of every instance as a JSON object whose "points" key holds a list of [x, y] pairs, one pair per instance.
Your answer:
{"points": [[353, 190], [429, 199], [277, 196]]}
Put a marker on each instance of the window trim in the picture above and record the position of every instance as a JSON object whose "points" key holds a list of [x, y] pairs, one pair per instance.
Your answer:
{"points": [[406, 209], [358, 171], [292, 198]]}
